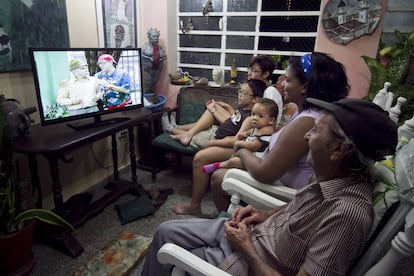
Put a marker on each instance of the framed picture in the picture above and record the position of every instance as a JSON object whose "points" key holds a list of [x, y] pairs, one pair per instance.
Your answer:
{"points": [[117, 27], [27, 23]]}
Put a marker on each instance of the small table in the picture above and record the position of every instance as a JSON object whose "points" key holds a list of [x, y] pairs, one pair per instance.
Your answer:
{"points": [[147, 132], [54, 142]]}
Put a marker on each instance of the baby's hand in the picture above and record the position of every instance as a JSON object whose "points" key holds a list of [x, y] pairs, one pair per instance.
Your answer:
{"points": [[242, 136]]}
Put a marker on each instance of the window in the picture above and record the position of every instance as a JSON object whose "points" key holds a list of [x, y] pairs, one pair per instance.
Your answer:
{"points": [[239, 29]]}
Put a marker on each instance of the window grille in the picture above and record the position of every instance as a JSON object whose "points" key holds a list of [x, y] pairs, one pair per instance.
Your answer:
{"points": [[241, 29]]}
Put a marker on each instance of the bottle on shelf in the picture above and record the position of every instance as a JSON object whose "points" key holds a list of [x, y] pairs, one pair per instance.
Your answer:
{"points": [[233, 72]]}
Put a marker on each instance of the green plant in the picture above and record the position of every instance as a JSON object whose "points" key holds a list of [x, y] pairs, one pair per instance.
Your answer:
{"points": [[392, 64], [11, 217]]}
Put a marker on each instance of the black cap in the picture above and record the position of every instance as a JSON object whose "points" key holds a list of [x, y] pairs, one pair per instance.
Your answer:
{"points": [[365, 123]]}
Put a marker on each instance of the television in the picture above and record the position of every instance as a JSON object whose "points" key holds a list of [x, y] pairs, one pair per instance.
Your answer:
{"points": [[77, 83]]}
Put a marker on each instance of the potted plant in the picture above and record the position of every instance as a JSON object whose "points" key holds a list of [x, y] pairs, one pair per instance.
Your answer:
{"points": [[16, 226], [394, 64]]}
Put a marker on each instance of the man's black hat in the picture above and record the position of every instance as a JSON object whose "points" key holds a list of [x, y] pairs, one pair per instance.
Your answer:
{"points": [[365, 123]]}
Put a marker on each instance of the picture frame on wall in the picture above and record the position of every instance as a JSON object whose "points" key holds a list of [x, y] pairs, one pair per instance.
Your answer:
{"points": [[25, 24], [117, 23]]}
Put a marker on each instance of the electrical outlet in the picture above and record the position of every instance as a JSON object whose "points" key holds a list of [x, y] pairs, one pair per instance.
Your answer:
{"points": [[122, 134]]}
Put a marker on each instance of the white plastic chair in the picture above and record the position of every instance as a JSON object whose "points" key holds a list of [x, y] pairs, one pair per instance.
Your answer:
{"points": [[390, 242], [241, 186]]}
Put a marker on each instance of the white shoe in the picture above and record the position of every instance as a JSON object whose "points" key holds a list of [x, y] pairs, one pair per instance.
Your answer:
{"points": [[173, 123], [165, 123]]}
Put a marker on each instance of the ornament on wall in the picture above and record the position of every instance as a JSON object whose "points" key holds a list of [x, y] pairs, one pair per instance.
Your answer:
{"points": [[346, 20], [207, 8], [188, 27]]}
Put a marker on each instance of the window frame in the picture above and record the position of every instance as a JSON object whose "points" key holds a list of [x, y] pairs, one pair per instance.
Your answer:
{"points": [[256, 34]]}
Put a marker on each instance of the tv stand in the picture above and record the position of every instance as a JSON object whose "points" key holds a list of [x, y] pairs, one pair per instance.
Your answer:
{"points": [[79, 125], [55, 141]]}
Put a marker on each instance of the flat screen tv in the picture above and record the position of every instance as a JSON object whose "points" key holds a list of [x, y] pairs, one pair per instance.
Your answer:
{"points": [[78, 83]]}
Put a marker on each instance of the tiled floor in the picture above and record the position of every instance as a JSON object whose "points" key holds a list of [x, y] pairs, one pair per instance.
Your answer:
{"points": [[98, 231]]}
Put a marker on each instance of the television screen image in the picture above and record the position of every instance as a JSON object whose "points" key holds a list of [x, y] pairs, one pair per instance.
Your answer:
{"points": [[75, 83]]}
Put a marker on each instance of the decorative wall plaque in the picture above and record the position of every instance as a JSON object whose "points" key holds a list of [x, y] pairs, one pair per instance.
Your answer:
{"points": [[346, 20]]}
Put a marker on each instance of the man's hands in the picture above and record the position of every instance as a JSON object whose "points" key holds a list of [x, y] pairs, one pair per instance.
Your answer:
{"points": [[249, 215], [237, 229], [238, 236]]}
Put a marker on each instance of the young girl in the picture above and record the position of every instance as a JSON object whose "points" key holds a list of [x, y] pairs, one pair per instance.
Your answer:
{"points": [[205, 130], [219, 148], [263, 117]]}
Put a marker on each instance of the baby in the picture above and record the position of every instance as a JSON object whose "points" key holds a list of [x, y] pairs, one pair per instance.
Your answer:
{"points": [[264, 117]]}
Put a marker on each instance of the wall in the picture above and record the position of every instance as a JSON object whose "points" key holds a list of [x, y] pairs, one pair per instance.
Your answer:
{"points": [[160, 14], [350, 55], [163, 17], [92, 162]]}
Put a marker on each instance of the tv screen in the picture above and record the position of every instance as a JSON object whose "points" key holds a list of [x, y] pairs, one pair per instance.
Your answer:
{"points": [[77, 83]]}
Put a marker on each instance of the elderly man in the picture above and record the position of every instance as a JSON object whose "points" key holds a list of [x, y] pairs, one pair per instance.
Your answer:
{"points": [[116, 83], [323, 229], [80, 94]]}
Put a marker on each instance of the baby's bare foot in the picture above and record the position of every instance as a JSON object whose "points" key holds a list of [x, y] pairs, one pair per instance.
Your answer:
{"points": [[186, 209]]}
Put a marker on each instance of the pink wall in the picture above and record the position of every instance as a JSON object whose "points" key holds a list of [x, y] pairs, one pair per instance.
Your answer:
{"points": [[154, 14], [350, 55]]}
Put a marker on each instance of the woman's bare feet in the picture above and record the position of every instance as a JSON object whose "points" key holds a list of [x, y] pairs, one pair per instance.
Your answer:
{"points": [[184, 139], [186, 209]]}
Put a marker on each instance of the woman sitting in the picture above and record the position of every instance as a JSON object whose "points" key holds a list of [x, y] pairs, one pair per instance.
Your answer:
{"points": [[318, 76]]}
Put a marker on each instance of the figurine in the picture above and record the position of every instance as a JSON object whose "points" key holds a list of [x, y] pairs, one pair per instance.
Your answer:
{"points": [[218, 78], [152, 62]]}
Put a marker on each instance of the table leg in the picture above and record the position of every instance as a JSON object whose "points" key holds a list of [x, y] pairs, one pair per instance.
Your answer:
{"points": [[135, 185], [61, 239], [132, 155], [56, 187], [115, 157], [37, 192]]}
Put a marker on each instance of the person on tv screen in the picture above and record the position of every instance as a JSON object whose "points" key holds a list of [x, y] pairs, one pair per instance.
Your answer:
{"points": [[81, 94], [115, 84]]}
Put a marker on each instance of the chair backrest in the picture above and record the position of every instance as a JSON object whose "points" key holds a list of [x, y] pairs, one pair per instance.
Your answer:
{"points": [[395, 185], [393, 177], [392, 180], [191, 100]]}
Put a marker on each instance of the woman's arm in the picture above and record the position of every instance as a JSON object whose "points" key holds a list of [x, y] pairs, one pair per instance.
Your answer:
{"points": [[249, 145], [257, 143], [226, 142], [288, 150]]}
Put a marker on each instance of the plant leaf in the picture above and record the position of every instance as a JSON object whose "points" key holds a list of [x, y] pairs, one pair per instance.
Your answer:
{"points": [[378, 75], [398, 66], [43, 215]]}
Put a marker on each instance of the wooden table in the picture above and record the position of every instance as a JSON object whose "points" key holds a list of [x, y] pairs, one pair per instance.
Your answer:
{"points": [[56, 141]]}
